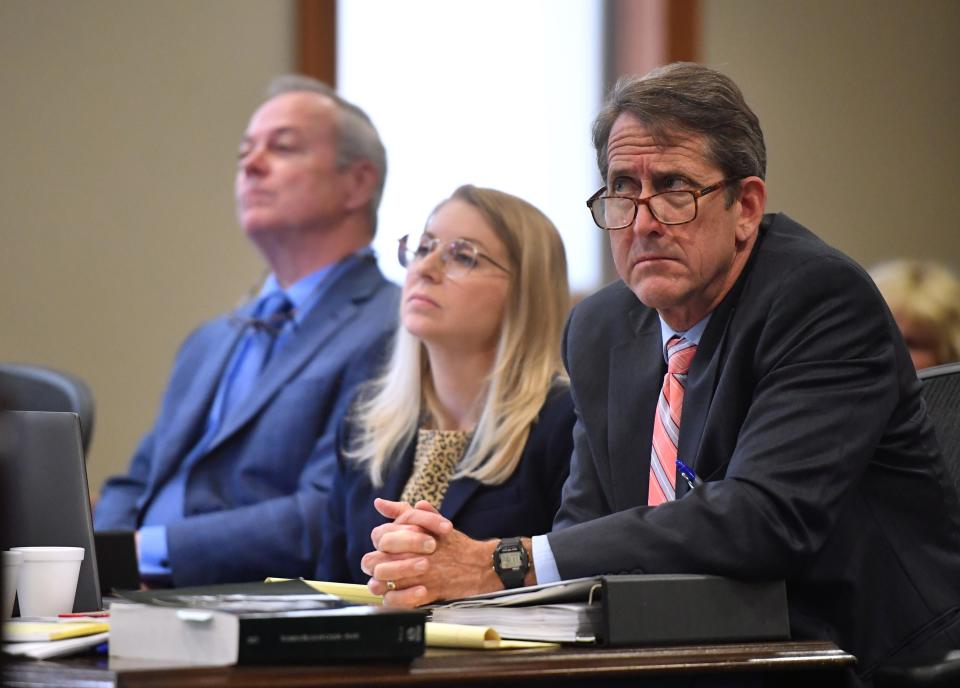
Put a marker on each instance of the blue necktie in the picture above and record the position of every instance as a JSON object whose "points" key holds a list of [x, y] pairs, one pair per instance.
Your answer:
{"points": [[253, 350], [273, 315]]}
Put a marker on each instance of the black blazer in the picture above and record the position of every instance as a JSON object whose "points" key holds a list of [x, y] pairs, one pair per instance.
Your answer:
{"points": [[524, 504], [804, 415]]}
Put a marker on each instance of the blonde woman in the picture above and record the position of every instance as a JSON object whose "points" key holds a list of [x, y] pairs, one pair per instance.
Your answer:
{"points": [[925, 300], [472, 412]]}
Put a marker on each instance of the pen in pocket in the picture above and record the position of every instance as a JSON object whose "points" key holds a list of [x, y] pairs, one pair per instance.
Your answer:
{"points": [[692, 479]]}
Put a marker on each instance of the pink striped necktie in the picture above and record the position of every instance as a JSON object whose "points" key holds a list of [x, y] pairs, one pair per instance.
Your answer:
{"points": [[666, 422]]}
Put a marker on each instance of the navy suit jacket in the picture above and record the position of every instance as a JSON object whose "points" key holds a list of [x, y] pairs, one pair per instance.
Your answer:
{"points": [[804, 416], [255, 501], [524, 504]]}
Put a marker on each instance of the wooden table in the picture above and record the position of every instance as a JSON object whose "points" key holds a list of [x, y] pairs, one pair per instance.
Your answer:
{"points": [[753, 664]]}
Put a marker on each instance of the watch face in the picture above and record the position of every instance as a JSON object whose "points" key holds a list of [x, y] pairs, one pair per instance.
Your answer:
{"points": [[510, 560]]}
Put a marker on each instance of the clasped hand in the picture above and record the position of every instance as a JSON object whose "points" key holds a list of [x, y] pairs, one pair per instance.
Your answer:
{"points": [[420, 558]]}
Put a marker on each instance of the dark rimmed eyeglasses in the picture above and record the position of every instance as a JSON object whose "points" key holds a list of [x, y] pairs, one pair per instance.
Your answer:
{"points": [[667, 207], [458, 257]]}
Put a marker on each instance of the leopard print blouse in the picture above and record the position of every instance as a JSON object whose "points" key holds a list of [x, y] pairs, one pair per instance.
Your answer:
{"points": [[437, 455]]}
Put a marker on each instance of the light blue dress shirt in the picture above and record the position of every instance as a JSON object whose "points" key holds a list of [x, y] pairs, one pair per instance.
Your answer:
{"points": [[543, 559], [167, 506]]}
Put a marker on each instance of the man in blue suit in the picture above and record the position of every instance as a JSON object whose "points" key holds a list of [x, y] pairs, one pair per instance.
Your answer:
{"points": [[231, 483]]}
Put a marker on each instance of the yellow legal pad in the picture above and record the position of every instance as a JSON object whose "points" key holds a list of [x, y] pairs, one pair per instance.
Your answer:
{"points": [[351, 592], [33, 631], [474, 638]]}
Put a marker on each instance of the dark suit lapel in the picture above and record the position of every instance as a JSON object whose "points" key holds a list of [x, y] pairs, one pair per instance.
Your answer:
{"points": [[399, 472], [636, 375], [698, 394], [458, 493], [704, 374]]}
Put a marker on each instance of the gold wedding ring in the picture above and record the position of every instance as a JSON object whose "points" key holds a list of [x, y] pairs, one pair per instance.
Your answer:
{"points": [[391, 585]]}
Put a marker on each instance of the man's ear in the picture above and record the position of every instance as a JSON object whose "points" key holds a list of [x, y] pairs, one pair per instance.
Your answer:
{"points": [[751, 204], [362, 178]]}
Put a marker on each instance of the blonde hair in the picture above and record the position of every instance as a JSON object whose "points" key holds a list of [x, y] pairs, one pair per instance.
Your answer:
{"points": [[526, 365], [926, 293]]}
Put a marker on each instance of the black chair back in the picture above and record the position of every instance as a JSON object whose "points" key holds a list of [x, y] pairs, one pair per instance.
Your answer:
{"points": [[35, 388], [941, 388]]}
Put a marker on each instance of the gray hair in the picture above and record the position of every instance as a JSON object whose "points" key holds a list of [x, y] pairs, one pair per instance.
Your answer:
{"points": [[357, 138], [694, 99]]}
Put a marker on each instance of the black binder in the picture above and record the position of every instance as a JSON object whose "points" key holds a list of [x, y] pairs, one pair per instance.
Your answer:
{"points": [[675, 609], [642, 609]]}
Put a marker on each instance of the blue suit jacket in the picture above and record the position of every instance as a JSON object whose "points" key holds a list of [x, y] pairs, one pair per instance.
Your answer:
{"points": [[804, 416], [255, 502], [523, 504]]}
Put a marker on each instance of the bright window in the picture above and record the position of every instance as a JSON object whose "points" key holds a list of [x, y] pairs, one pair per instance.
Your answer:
{"points": [[496, 93]]}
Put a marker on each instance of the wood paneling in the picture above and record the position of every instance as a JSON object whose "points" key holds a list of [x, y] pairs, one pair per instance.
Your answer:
{"points": [[683, 30], [643, 34], [316, 33]]}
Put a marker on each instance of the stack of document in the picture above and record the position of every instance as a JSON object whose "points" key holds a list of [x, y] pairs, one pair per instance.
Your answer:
{"points": [[563, 612], [573, 622], [45, 639]]}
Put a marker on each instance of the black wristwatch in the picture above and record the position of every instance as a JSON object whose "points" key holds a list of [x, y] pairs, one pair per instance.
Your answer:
{"points": [[511, 562]]}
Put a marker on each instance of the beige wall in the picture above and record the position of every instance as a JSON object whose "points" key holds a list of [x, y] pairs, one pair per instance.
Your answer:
{"points": [[860, 105], [120, 122]]}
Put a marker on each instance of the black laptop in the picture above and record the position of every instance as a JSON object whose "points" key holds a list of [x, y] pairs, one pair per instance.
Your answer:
{"points": [[45, 501]]}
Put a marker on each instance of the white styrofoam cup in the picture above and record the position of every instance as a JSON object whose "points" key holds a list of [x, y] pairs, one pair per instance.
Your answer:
{"points": [[47, 583], [11, 569]]}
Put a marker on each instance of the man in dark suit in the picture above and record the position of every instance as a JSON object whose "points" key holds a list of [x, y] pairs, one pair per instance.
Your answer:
{"points": [[231, 483], [762, 359]]}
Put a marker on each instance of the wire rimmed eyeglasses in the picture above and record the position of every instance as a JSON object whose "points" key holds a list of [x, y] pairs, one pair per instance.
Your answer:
{"points": [[667, 207], [458, 257]]}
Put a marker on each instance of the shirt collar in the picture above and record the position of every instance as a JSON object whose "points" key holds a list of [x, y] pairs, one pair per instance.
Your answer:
{"points": [[692, 335], [305, 292]]}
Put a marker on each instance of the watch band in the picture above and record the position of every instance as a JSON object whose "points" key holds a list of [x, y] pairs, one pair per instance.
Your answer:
{"points": [[511, 562]]}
